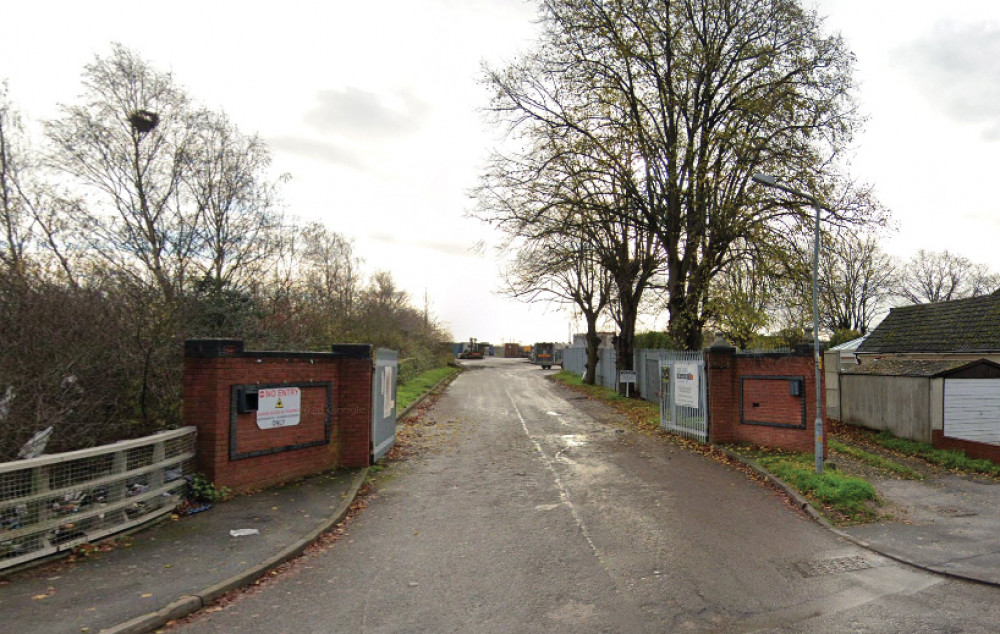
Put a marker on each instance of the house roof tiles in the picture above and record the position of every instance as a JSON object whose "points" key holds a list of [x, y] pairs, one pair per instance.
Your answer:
{"points": [[964, 325]]}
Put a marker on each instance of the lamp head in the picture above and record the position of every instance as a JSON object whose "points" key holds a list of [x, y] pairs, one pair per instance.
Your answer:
{"points": [[765, 179]]}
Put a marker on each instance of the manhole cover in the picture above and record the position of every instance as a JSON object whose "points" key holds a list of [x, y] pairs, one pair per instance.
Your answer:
{"points": [[832, 566]]}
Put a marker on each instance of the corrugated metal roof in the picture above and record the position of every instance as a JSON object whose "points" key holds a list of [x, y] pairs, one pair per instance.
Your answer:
{"points": [[964, 325]]}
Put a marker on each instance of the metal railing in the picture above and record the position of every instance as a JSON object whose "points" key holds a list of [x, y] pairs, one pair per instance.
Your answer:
{"points": [[53, 503]]}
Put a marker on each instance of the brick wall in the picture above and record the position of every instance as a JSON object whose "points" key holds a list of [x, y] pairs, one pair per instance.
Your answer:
{"points": [[751, 399], [338, 382], [971, 448]]}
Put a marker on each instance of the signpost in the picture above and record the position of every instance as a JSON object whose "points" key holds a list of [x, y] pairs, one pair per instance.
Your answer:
{"points": [[627, 377]]}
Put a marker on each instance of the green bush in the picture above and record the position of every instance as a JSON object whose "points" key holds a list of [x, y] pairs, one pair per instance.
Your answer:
{"points": [[201, 489]]}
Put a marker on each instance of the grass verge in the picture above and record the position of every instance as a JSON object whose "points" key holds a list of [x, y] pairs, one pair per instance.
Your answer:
{"points": [[419, 385], [947, 458], [874, 460], [642, 414], [842, 499]]}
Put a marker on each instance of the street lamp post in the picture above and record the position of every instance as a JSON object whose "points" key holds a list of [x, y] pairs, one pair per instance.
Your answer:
{"points": [[771, 181]]}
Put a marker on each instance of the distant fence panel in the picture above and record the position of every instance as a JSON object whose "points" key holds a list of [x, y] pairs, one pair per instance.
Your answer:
{"points": [[647, 368], [607, 369], [575, 360], [53, 503]]}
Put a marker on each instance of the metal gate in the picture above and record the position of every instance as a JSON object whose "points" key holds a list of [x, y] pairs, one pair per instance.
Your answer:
{"points": [[683, 394], [384, 402]]}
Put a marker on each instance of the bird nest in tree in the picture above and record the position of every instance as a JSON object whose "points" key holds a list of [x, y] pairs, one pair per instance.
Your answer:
{"points": [[143, 120]]}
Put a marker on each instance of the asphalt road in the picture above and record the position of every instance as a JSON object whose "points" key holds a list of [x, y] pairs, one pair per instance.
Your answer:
{"points": [[533, 512]]}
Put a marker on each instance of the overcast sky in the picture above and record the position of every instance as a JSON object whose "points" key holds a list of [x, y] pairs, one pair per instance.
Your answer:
{"points": [[372, 107]]}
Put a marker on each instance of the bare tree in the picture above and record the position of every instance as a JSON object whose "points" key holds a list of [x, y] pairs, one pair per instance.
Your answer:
{"points": [[130, 142], [330, 279], [940, 276], [857, 279], [560, 192], [15, 220], [235, 203], [557, 269], [35, 215]]}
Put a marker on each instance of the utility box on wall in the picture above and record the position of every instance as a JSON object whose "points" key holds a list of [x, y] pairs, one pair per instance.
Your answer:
{"points": [[268, 417]]}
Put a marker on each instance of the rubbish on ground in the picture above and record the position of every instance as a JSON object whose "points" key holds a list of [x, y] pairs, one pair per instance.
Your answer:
{"points": [[173, 474], [243, 532], [191, 509]]}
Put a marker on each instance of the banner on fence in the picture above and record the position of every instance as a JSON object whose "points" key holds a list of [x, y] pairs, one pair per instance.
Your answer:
{"points": [[686, 384]]}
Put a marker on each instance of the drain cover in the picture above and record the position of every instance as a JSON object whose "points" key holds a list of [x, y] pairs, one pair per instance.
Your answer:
{"points": [[832, 566]]}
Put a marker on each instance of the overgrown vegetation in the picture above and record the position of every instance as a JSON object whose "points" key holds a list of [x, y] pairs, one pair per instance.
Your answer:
{"points": [[416, 386], [874, 460], [947, 458], [142, 219]]}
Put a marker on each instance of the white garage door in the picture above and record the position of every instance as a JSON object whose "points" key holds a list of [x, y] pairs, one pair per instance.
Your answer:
{"points": [[972, 410]]}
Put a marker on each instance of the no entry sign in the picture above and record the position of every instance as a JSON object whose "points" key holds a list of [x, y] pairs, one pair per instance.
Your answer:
{"points": [[279, 407]]}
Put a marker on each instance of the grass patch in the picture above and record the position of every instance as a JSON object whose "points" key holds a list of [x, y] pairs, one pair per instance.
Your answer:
{"points": [[947, 458], [642, 414], [846, 498], [414, 388], [875, 460]]}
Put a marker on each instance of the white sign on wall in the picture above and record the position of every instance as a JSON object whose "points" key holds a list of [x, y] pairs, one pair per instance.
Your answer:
{"points": [[279, 407], [388, 402], [686, 384]]}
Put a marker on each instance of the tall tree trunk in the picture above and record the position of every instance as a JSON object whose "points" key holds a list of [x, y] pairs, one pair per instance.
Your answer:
{"points": [[593, 343], [625, 347]]}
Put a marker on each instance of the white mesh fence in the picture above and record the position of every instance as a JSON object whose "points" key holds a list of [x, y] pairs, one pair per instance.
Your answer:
{"points": [[56, 502]]}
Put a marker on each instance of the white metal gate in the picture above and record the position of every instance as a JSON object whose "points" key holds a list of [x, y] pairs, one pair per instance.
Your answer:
{"points": [[384, 402], [683, 394]]}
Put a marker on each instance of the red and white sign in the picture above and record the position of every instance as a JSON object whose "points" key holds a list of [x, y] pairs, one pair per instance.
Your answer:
{"points": [[279, 407], [686, 384]]}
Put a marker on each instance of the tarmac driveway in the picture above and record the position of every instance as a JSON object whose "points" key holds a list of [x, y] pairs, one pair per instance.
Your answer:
{"points": [[526, 513]]}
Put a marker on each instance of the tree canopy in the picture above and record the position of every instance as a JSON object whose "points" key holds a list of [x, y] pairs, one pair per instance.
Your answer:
{"points": [[666, 108]]}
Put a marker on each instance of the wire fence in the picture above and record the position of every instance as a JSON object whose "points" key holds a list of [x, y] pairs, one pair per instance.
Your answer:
{"points": [[56, 502]]}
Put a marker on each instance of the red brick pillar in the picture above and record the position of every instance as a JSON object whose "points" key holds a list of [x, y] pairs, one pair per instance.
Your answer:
{"points": [[721, 369], [206, 400], [355, 395]]}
